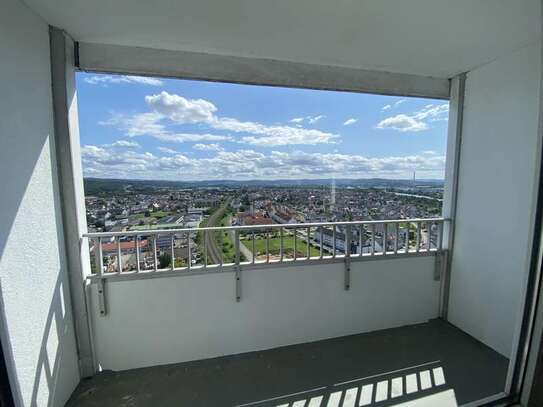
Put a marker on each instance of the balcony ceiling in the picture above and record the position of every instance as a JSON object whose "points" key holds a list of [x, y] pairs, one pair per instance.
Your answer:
{"points": [[437, 38]]}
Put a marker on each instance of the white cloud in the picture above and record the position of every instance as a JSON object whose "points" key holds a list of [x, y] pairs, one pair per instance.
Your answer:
{"points": [[123, 144], [402, 122], [170, 109], [149, 124], [315, 119], [249, 164], [349, 122], [417, 121], [394, 105], [208, 147], [136, 125], [189, 137], [309, 119], [180, 110], [122, 79], [167, 150], [433, 112]]}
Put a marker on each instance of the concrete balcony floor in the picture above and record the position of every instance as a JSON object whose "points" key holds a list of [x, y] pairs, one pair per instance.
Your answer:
{"points": [[282, 376]]}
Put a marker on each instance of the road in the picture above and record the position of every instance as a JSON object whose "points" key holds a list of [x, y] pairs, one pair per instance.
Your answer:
{"points": [[214, 252], [242, 248]]}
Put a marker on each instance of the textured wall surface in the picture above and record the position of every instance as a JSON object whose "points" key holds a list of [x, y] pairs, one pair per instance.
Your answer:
{"points": [[36, 314], [496, 192]]}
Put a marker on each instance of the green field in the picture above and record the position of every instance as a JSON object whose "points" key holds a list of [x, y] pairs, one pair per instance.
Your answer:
{"points": [[275, 246], [158, 215], [154, 227]]}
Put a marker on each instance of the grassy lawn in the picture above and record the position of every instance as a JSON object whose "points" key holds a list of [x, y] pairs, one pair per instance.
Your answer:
{"points": [[153, 227], [158, 215], [275, 246]]}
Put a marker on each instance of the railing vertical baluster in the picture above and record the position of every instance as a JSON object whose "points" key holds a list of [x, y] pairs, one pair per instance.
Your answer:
{"points": [[281, 243], [407, 227], [220, 251], [205, 248], [385, 230], [373, 239], [237, 266], [396, 237], [429, 228], [425, 247], [348, 238], [440, 236], [308, 244], [119, 256], [361, 240], [267, 246], [321, 237], [98, 257], [155, 260], [421, 236], [418, 237], [347, 271], [189, 252], [295, 245], [173, 250], [334, 241], [253, 246], [137, 240]]}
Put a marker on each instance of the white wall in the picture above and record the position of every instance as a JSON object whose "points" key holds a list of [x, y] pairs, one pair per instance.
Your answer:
{"points": [[37, 330], [168, 320], [496, 192]]}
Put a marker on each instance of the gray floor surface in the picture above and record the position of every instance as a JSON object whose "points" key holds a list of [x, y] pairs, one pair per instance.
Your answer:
{"points": [[287, 374]]}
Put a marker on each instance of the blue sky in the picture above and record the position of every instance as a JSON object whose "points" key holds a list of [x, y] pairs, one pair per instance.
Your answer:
{"points": [[150, 128]]}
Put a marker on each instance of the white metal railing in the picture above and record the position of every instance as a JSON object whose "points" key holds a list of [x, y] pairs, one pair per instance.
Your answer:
{"points": [[174, 252], [258, 245]]}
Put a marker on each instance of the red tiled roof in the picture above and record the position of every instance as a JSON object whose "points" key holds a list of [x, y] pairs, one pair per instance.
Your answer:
{"points": [[128, 245]]}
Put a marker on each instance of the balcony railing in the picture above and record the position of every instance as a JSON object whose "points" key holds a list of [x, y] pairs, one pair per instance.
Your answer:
{"points": [[229, 248]]}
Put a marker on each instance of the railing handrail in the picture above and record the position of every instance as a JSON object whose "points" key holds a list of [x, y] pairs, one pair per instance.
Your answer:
{"points": [[259, 227], [338, 250]]}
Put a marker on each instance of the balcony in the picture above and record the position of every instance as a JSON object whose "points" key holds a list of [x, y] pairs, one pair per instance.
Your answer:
{"points": [[372, 315], [351, 312]]}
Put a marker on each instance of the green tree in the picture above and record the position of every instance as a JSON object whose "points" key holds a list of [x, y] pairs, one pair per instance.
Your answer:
{"points": [[164, 260]]}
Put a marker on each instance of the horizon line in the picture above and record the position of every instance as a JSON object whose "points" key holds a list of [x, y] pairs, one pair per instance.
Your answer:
{"points": [[266, 180]]}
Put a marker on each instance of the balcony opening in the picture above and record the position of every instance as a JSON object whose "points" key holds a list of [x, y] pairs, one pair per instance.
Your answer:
{"points": [[303, 233]]}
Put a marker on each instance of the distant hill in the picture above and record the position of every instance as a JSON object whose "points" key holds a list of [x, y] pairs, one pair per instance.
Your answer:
{"points": [[97, 186]]}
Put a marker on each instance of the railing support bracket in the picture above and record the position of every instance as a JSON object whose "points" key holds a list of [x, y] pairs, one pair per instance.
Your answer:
{"points": [[440, 261], [347, 275], [238, 268], [101, 291]]}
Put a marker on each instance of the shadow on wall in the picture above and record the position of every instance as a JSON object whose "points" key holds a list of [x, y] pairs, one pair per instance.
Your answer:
{"points": [[35, 316], [55, 374], [55, 361], [55, 365]]}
